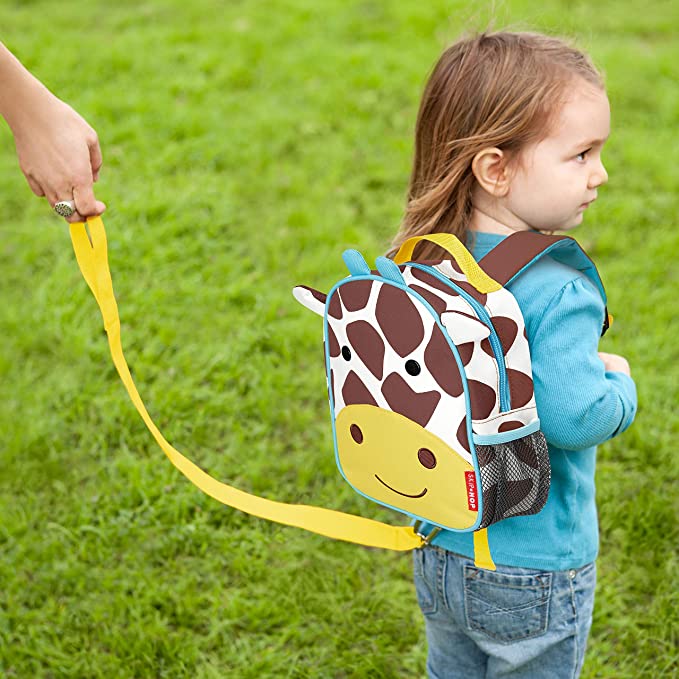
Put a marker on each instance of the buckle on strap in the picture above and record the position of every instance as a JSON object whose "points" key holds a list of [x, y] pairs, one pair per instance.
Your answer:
{"points": [[426, 539]]}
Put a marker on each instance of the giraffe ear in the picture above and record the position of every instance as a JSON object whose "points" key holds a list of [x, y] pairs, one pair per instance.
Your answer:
{"points": [[463, 328], [310, 298]]}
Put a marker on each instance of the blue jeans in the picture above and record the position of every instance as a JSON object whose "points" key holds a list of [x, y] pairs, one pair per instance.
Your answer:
{"points": [[517, 623]]}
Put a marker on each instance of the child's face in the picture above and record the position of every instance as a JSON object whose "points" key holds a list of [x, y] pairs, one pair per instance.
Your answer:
{"points": [[559, 175]]}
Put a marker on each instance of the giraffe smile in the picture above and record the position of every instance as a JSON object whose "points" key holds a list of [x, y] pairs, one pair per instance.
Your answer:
{"points": [[394, 446], [422, 494]]}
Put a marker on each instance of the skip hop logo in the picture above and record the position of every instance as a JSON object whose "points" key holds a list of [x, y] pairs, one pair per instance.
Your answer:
{"points": [[472, 498]]}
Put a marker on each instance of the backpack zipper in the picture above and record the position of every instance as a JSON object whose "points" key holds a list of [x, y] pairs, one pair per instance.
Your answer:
{"points": [[496, 345]]}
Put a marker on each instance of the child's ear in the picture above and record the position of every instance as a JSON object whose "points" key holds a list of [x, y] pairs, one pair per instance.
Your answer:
{"points": [[490, 167]]}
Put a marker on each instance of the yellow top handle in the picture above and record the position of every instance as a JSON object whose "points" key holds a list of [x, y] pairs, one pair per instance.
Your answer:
{"points": [[451, 244]]}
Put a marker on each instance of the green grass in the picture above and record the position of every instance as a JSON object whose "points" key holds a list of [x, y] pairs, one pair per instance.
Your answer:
{"points": [[246, 145]]}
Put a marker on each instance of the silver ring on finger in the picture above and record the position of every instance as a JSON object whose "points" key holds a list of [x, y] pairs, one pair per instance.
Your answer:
{"points": [[65, 208]]}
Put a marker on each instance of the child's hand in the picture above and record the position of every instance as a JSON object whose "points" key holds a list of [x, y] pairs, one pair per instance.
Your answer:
{"points": [[615, 363]]}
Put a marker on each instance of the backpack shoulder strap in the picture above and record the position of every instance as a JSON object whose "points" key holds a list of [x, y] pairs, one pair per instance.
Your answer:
{"points": [[517, 252]]}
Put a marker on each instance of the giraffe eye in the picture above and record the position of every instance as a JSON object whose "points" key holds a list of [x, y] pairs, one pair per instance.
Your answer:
{"points": [[346, 353], [413, 367]]}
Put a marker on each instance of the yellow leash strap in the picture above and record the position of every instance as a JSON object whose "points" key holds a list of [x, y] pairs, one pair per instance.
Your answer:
{"points": [[482, 557], [91, 253]]}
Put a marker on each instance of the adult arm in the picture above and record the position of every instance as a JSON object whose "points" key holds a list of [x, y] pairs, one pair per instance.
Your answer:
{"points": [[58, 151]]}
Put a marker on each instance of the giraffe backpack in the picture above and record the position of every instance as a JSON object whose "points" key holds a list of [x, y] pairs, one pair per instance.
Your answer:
{"points": [[430, 388], [429, 382]]}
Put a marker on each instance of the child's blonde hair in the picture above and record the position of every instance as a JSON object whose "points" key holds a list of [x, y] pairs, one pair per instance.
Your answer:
{"points": [[499, 89]]}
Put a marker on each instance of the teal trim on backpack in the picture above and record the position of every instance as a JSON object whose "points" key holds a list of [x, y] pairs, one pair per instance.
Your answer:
{"points": [[506, 436]]}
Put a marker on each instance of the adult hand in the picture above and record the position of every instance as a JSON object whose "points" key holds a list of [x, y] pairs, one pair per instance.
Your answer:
{"points": [[58, 151], [60, 156]]}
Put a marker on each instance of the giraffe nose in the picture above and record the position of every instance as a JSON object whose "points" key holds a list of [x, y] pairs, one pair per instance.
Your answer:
{"points": [[356, 433]]}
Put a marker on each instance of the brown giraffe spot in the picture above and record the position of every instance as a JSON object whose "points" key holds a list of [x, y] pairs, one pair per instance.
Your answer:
{"points": [[368, 344], [487, 347], [526, 453], [480, 297], [483, 399], [335, 308], [403, 400], [461, 434], [517, 491], [355, 294], [436, 302], [399, 320], [507, 330], [510, 426], [466, 351], [520, 388], [485, 455], [441, 363], [432, 281], [489, 500], [355, 392], [334, 347]]}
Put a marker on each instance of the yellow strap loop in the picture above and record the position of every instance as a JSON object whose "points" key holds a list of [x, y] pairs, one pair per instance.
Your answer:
{"points": [[469, 266], [482, 557], [92, 257]]}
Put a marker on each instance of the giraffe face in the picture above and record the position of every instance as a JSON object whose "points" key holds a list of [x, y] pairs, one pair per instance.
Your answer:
{"points": [[397, 462]]}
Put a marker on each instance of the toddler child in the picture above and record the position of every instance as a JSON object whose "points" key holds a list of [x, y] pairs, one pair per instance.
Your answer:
{"points": [[509, 138]]}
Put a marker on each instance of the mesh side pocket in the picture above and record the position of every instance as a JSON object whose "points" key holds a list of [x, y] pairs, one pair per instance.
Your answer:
{"points": [[514, 477]]}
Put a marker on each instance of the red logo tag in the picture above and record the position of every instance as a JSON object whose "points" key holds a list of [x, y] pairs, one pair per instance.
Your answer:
{"points": [[472, 498]]}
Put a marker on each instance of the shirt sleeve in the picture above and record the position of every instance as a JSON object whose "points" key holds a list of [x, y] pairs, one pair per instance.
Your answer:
{"points": [[579, 403]]}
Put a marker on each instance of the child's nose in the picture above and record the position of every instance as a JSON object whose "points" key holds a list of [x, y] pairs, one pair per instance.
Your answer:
{"points": [[598, 177]]}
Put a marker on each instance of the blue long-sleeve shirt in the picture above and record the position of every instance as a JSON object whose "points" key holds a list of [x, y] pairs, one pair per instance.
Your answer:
{"points": [[580, 405]]}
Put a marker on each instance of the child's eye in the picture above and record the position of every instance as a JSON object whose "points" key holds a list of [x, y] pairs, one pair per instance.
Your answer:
{"points": [[582, 154]]}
